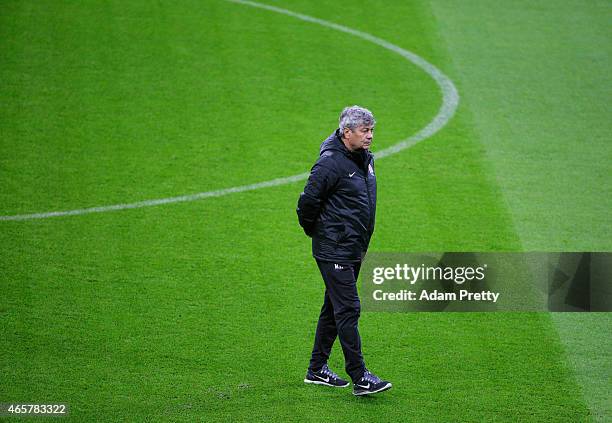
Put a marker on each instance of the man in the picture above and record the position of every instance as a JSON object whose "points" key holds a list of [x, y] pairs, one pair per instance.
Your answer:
{"points": [[337, 209]]}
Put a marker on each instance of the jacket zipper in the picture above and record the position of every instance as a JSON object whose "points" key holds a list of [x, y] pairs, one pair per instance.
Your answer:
{"points": [[369, 197]]}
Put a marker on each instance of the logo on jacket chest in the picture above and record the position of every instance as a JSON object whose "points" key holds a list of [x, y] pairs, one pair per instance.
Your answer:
{"points": [[370, 171]]}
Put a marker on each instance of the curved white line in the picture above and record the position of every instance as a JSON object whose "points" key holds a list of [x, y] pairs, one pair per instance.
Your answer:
{"points": [[450, 101]]}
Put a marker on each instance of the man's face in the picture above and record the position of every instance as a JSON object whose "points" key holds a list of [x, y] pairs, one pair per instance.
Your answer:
{"points": [[360, 137]]}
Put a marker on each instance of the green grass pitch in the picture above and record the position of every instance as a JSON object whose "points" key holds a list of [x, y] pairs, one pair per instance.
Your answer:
{"points": [[205, 310]]}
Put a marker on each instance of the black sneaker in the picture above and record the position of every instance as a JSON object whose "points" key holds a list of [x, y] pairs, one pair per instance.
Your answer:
{"points": [[370, 384], [325, 377]]}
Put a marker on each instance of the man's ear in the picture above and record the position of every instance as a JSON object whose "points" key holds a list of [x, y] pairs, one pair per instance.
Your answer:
{"points": [[345, 132]]}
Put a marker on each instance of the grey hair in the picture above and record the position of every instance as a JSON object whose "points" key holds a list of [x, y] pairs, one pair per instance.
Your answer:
{"points": [[354, 116]]}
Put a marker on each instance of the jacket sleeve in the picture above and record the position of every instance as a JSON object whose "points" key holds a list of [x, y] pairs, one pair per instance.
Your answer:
{"points": [[321, 181]]}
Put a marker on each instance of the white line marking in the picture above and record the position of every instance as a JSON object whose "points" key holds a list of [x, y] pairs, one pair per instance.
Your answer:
{"points": [[450, 101]]}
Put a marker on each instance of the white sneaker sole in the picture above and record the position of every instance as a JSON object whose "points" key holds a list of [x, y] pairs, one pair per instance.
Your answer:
{"points": [[384, 388], [320, 382]]}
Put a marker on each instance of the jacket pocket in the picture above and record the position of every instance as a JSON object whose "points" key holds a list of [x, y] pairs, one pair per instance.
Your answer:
{"points": [[340, 233]]}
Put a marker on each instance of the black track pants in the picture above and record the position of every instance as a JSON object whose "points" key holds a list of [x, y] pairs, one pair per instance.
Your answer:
{"points": [[339, 317]]}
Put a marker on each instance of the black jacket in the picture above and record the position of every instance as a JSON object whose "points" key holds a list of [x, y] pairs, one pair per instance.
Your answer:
{"points": [[338, 206]]}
